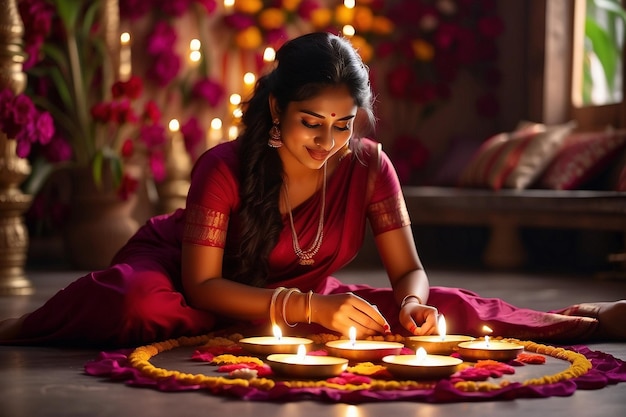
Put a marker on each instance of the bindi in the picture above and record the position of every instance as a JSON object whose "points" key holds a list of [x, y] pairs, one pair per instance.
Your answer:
{"points": [[333, 114]]}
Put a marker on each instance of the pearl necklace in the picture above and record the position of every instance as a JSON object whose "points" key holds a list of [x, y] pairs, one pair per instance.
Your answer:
{"points": [[306, 256]]}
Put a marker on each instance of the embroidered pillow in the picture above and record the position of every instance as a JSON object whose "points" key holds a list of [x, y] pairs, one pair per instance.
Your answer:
{"points": [[514, 159], [582, 157]]}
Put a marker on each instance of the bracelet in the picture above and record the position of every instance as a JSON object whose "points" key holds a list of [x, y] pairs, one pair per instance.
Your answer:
{"points": [[309, 297], [285, 298], [272, 309], [406, 301]]}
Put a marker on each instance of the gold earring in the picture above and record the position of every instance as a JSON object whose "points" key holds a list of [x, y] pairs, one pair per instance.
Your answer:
{"points": [[275, 140]]}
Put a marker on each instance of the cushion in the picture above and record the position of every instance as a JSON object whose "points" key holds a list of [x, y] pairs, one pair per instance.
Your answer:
{"points": [[582, 157], [514, 159]]}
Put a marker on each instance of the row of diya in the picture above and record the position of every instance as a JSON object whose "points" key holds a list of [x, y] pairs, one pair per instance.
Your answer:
{"points": [[287, 355]]}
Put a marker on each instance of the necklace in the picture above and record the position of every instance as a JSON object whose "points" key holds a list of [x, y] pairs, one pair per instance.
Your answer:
{"points": [[306, 256]]}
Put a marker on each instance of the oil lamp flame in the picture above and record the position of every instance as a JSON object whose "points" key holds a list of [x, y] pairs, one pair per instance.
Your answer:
{"points": [[441, 326], [487, 341], [352, 335], [420, 355], [277, 333], [487, 329], [301, 353]]}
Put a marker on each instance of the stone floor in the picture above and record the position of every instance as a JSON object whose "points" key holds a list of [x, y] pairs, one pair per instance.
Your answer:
{"points": [[46, 381]]}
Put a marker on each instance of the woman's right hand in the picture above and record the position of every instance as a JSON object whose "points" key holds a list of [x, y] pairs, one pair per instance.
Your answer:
{"points": [[418, 319], [339, 312]]}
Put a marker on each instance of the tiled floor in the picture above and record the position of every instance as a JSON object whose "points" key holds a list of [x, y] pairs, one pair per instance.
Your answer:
{"points": [[44, 381]]}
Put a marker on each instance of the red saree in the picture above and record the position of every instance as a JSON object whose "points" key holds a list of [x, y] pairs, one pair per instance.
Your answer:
{"points": [[138, 299]]}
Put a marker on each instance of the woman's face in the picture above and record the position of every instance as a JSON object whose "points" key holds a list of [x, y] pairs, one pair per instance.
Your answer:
{"points": [[314, 130]]}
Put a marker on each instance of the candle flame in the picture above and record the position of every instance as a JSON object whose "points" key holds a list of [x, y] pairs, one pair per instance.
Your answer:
{"points": [[301, 353], [269, 54], [487, 341], [249, 78], [348, 30], [125, 38], [441, 326], [216, 123], [420, 355], [277, 333], [352, 335], [174, 125], [487, 329]]}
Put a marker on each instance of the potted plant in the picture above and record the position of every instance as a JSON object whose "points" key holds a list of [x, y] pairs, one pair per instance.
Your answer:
{"points": [[108, 137]]}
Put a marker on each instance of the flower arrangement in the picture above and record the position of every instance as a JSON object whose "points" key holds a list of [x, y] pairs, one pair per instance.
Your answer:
{"points": [[73, 77]]}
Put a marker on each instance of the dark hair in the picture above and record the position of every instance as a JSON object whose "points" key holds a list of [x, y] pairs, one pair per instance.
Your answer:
{"points": [[305, 65]]}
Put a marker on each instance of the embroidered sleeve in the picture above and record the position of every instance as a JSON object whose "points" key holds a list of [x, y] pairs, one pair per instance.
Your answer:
{"points": [[205, 226], [388, 214]]}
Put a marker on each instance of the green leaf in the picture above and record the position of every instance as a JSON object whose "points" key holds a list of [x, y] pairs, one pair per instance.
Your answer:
{"points": [[96, 167], [604, 48]]}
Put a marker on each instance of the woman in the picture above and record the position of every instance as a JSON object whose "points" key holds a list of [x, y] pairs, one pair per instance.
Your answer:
{"points": [[269, 217]]}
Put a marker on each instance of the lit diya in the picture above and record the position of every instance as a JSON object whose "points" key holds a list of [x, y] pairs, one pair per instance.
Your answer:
{"points": [[265, 345], [441, 344], [497, 350], [421, 365], [302, 365], [362, 350]]}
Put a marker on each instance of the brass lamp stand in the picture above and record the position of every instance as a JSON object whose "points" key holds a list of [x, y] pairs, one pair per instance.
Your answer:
{"points": [[13, 170]]}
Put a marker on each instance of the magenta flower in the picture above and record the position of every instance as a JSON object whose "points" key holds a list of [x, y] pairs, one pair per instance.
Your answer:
{"points": [[161, 39], [165, 68], [239, 21], [208, 90], [57, 150], [153, 135], [135, 9], [193, 135]]}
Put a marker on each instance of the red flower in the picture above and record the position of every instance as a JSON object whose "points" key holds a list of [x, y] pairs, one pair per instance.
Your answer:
{"points": [[132, 88], [209, 90], [127, 187]]}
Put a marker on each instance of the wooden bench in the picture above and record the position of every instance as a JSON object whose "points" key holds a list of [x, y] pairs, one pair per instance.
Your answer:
{"points": [[506, 211]]}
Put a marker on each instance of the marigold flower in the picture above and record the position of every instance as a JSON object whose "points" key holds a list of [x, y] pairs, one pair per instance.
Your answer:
{"points": [[363, 19], [290, 5], [321, 18], [249, 38], [423, 50], [271, 18], [248, 6], [343, 15], [381, 25]]}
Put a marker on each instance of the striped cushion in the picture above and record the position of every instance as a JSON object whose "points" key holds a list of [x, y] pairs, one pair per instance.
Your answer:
{"points": [[582, 157], [514, 159]]}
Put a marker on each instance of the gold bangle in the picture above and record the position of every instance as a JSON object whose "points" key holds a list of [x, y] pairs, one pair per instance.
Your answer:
{"points": [[272, 302], [406, 301], [309, 297], [285, 298]]}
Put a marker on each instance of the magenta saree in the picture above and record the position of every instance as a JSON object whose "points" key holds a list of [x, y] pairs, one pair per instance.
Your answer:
{"points": [[138, 299]]}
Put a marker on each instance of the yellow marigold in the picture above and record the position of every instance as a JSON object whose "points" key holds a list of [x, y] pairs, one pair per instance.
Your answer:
{"points": [[366, 368], [363, 19], [271, 18], [343, 15], [291, 5], [249, 38], [227, 359], [423, 50], [382, 25], [321, 18], [248, 6]]}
